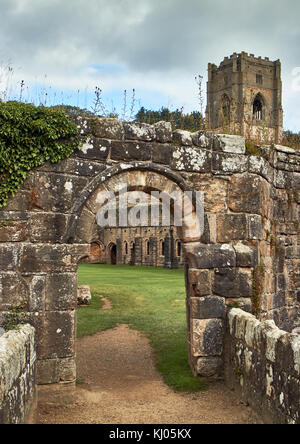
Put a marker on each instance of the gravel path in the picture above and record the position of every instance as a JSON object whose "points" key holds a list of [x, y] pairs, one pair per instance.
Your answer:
{"points": [[122, 386]]}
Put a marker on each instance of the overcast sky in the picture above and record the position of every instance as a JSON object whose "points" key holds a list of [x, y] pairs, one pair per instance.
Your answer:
{"points": [[154, 46]]}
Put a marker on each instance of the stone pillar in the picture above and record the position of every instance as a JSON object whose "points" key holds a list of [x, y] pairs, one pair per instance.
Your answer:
{"points": [[153, 251], [119, 251], [168, 252], [138, 251]]}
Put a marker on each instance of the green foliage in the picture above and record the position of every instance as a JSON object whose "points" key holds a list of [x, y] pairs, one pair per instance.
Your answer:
{"points": [[14, 318], [191, 122], [291, 139], [30, 136], [73, 111], [150, 300]]}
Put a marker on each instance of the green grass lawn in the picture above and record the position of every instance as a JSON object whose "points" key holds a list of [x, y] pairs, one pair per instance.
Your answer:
{"points": [[150, 300]]}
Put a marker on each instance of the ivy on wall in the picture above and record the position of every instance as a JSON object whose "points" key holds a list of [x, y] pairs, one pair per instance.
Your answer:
{"points": [[29, 137]]}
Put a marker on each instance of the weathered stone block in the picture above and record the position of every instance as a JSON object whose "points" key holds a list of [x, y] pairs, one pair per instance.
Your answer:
{"points": [[74, 165], [229, 143], [231, 227], [226, 163], [191, 159], [215, 191], [209, 367], [13, 231], [233, 283], [203, 139], [8, 257], [162, 153], [208, 307], [47, 371], [46, 258], [209, 256], [207, 337], [246, 256], [182, 137], [55, 192], [49, 227], [163, 131], [262, 167], [130, 151], [199, 283], [107, 128], [61, 291], [36, 285], [67, 370], [95, 149], [139, 131], [245, 194], [255, 227], [13, 291], [56, 337]]}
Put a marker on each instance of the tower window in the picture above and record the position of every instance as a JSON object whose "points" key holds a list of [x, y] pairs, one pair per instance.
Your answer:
{"points": [[226, 108], [259, 79], [258, 108]]}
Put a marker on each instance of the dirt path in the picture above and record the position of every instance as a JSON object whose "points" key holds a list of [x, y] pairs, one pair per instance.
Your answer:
{"points": [[122, 386]]}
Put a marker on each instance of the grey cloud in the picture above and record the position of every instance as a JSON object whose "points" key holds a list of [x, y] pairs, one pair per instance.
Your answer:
{"points": [[61, 37]]}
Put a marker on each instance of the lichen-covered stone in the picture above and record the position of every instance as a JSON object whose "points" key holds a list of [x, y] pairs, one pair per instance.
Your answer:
{"points": [[207, 337], [107, 128], [163, 131], [17, 375], [210, 256], [183, 138], [139, 131], [208, 307], [229, 143]]}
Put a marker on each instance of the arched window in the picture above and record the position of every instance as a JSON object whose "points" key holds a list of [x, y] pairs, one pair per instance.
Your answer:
{"points": [[226, 108], [147, 243], [178, 249], [126, 247], [258, 107], [162, 247]]}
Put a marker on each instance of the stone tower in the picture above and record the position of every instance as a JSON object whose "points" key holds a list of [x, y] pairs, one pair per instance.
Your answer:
{"points": [[244, 96]]}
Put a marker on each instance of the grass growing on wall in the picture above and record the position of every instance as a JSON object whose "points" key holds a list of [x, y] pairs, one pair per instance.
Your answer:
{"points": [[150, 300]]}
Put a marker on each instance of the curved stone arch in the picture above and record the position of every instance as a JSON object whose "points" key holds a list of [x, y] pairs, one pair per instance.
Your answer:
{"points": [[137, 176]]}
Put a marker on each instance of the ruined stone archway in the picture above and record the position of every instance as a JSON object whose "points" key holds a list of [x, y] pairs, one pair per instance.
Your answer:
{"points": [[43, 239]]}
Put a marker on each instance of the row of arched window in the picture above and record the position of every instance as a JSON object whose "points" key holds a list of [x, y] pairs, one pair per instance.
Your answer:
{"points": [[178, 247], [257, 107]]}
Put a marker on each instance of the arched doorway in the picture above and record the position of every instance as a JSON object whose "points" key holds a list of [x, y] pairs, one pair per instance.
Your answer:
{"points": [[112, 254]]}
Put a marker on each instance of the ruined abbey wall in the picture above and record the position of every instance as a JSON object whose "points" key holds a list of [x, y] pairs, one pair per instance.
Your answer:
{"points": [[247, 257]]}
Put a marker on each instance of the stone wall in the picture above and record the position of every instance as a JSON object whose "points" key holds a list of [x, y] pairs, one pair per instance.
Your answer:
{"points": [[263, 364], [17, 375], [250, 239]]}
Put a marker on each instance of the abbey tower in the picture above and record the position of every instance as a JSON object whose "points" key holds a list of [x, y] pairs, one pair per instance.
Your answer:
{"points": [[244, 96]]}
